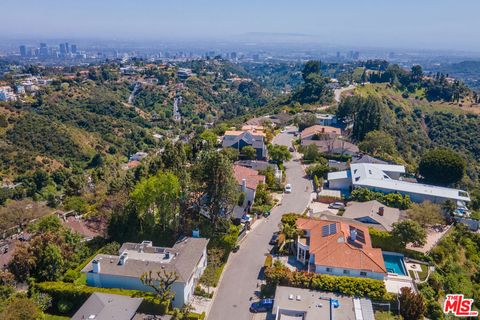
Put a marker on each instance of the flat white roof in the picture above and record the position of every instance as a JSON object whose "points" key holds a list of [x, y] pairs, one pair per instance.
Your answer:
{"points": [[376, 176], [338, 175]]}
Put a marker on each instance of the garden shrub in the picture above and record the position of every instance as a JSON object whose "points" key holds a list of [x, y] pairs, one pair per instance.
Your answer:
{"points": [[358, 287]]}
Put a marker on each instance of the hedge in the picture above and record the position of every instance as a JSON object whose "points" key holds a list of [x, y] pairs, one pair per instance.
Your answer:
{"points": [[358, 287], [387, 242], [78, 294]]}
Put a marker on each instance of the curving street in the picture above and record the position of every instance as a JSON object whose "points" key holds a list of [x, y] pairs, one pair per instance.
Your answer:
{"points": [[241, 275]]}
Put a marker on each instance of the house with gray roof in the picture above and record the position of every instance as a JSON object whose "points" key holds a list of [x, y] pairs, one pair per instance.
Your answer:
{"points": [[240, 139], [187, 259], [372, 213], [304, 304], [104, 306]]}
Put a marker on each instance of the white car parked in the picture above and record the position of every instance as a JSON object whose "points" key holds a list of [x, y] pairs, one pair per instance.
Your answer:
{"points": [[288, 188]]}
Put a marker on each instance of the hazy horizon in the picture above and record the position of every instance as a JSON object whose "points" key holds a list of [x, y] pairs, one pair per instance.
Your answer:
{"points": [[422, 25]]}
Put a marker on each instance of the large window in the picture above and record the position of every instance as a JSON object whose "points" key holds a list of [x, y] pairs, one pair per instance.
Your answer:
{"points": [[346, 271]]}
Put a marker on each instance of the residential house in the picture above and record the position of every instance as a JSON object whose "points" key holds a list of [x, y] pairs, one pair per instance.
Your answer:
{"points": [[138, 156], [386, 178], [373, 213], [240, 139], [304, 304], [333, 145], [326, 119], [318, 132], [104, 306], [248, 180], [261, 165], [187, 258], [338, 248]]}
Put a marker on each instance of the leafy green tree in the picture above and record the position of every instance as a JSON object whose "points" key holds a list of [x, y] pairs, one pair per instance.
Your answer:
{"points": [[50, 264], [20, 307], [161, 282], [217, 183], [442, 166], [368, 118], [312, 154], [378, 143], [417, 73], [305, 120], [231, 153], [249, 152], [262, 196], [97, 161], [311, 67], [209, 136], [318, 170], [412, 305], [279, 153], [270, 179], [41, 179], [409, 231], [160, 195], [426, 214], [50, 223]]}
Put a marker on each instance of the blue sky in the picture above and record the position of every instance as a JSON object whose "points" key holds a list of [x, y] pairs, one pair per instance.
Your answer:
{"points": [[447, 24]]}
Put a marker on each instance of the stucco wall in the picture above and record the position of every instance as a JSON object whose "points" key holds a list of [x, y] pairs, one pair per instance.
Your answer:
{"points": [[352, 272]]}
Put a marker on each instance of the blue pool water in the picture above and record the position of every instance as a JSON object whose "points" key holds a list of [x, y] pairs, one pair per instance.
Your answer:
{"points": [[394, 264]]}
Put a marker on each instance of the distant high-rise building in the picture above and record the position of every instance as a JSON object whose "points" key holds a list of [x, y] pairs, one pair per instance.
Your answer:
{"points": [[233, 55], [23, 50], [43, 51], [63, 50], [67, 47], [338, 54], [256, 57], [356, 55], [74, 48]]}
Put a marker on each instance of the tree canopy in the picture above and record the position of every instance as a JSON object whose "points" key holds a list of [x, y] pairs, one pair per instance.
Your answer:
{"points": [[442, 166]]}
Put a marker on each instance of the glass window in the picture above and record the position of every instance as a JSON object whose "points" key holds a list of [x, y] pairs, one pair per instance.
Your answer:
{"points": [[346, 271]]}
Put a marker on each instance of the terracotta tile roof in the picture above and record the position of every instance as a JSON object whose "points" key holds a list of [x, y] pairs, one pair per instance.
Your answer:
{"points": [[310, 131], [239, 132], [133, 164], [251, 176], [337, 250]]}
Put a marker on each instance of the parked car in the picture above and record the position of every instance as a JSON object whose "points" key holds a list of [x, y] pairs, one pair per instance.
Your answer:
{"points": [[291, 149], [288, 188], [274, 238], [266, 214], [337, 205], [263, 305]]}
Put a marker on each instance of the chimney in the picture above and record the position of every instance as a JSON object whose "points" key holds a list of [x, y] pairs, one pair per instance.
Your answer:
{"points": [[381, 211], [353, 234], [244, 185], [96, 266]]}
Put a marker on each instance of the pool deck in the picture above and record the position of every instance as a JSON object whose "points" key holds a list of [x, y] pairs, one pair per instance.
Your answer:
{"points": [[394, 283]]}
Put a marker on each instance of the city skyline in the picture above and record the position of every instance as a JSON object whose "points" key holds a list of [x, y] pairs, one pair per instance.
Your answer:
{"points": [[426, 25]]}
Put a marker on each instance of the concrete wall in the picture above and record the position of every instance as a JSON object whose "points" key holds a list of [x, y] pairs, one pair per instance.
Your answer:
{"points": [[131, 283], [352, 272]]}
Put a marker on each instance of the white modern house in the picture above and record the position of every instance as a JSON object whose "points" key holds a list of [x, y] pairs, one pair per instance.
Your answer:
{"points": [[187, 258], [386, 178]]}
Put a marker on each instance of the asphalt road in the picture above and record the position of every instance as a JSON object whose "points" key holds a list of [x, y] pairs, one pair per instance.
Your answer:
{"points": [[242, 274]]}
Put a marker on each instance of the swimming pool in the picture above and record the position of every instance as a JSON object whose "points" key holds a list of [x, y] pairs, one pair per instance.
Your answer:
{"points": [[394, 263]]}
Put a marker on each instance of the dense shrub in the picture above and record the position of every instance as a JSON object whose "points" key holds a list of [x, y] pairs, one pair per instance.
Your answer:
{"points": [[359, 287], [394, 200], [65, 294]]}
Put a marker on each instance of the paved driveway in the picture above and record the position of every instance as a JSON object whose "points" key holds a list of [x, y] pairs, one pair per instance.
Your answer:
{"points": [[242, 275]]}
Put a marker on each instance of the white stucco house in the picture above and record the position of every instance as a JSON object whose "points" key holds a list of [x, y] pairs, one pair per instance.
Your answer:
{"points": [[386, 178], [187, 258]]}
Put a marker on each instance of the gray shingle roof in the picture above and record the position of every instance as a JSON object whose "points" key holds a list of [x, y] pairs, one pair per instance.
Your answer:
{"points": [[103, 306], [184, 258]]}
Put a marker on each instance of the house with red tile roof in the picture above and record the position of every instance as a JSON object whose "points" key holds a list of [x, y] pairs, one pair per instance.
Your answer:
{"points": [[338, 248]]}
